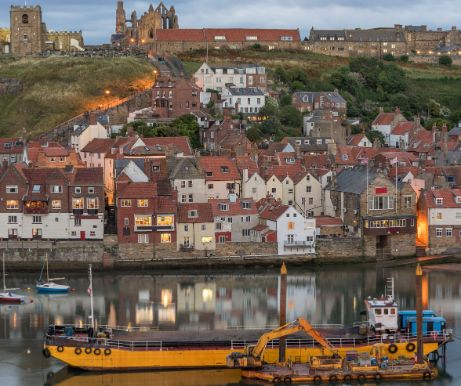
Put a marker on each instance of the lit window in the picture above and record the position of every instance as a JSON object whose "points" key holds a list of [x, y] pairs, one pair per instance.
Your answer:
{"points": [[55, 204], [12, 204], [207, 239], [143, 220], [165, 220], [77, 203], [291, 225], [143, 203], [165, 238], [92, 203], [125, 203]]}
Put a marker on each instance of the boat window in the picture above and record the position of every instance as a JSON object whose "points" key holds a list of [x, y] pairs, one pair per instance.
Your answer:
{"points": [[378, 311], [386, 311]]}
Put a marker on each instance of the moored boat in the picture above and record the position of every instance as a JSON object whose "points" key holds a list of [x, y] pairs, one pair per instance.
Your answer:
{"points": [[7, 296], [49, 286]]}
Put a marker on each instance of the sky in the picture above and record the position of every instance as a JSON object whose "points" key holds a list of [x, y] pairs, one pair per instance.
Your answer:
{"points": [[96, 18]]}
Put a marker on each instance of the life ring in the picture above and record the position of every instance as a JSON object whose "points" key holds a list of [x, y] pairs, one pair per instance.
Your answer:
{"points": [[333, 378], [427, 375], [107, 352], [361, 378], [46, 353], [77, 351], [383, 365], [60, 348], [318, 379], [347, 379], [410, 347], [392, 348], [287, 380], [97, 351], [88, 350], [378, 377], [277, 380]]}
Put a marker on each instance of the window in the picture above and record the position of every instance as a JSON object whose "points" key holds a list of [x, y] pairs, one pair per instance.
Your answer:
{"points": [[223, 207], [286, 38], [125, 203], [36, 232], [92, 233], [458, 215], [308, 189], [203, 227], [439, 216], [78, 190], [253, 190], [291, 225], [378, 311], [11, 188], [165, 238], [56, 189], [290, 191], [448, 232], [221, 239], [77, 221], [439, 201], [207, 239], [380, 202], [438, 232], [287, 215], [12, 204], [165, 221], [92, 203], [274, 190], [143, 220], [12, 232], [25, 19], [219, 38], [36, 189], [210, 186], [91, 189], [12, 219], [245, 232], [36, 219], [183, 184], [77, 203], [143, 238], [291, 238], [407, 202], [189, 184], [186, 228], [229, 220], [246, 205], [191, 198], [142, 203], [230, 186], [183, 198], [192, 213]]}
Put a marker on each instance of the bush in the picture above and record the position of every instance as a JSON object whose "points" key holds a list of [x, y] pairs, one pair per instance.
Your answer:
{"points": [[404, 58], [388, 57], [445, 60]]}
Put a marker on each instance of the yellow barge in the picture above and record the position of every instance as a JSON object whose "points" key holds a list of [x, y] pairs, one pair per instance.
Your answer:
{"points": [[125, 350]]}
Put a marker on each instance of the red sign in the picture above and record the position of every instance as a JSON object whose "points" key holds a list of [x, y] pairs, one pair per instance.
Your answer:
{"points": [[381, 190]]}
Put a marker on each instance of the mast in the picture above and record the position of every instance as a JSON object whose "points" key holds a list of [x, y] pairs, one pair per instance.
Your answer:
{"points": [[3, 265], [47, 273], [90, 290]]}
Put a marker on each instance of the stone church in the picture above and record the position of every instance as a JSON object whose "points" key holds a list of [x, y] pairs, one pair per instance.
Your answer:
{"points": [[143, 31]]}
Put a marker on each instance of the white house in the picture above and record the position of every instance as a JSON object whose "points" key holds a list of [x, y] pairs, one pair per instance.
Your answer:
{"points": [[295, 234], [308, 195], [253, 186], [385, 123], [81, 137], [245, 100]]}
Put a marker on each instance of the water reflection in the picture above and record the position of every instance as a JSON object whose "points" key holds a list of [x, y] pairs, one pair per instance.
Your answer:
{"points": [[217, 300]]}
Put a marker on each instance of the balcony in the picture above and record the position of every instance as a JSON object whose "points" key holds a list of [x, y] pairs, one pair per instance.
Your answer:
{"points": [[298, 244], [77, 212], [143, 228], [164, 228], [35, 207], [186, 247]]}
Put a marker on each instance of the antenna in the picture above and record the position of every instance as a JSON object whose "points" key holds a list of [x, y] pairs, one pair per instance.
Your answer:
{"points": [[390, 288]]}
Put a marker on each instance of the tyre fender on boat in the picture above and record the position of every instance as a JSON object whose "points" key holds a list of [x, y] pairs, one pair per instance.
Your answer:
{"points": [[361, 378], [317, 379], [392, 348], [287, 380], [333, 378], [88, 350], [427, 375], [378, 377], [77, 351], [410, 347], [46, 353], [97, 351], [107, 352], [277, 380], [60, 348], [347, 379]]}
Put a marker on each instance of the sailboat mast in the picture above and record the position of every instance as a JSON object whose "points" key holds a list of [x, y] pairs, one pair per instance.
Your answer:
{"points": [[47, 273], [3, 266]]}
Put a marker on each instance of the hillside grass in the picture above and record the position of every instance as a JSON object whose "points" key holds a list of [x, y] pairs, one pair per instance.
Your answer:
{"points": [[56, 89]]}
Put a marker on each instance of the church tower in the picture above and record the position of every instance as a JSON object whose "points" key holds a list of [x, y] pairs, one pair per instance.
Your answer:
{"points": [[28, 32], [120, 26]]}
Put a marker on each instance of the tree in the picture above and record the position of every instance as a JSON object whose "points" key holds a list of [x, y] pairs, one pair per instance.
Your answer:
{"points": [[391, 79], [404, 58], [270, 109], [285, 99], [254, 134], [290, 116], [445, 60], [389, 57], [270, 126], [372, 135], [187, 125]]}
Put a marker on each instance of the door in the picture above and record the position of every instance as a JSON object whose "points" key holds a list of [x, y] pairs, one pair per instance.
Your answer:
{"points": [[82, 235]]}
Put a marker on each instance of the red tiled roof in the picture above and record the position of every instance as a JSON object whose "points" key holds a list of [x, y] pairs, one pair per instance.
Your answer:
{"points": [[273, 212], [403, 128], [448, 196], [245, 162], [137, 190], [231, 35], [98, 145], [167, 204], [204, 213], [13, 149], [328, 221], [180, 144], [281, 171], [316, 161], [355, 139], [235, 208], [88, 176], [214, 165], [56, 151]]}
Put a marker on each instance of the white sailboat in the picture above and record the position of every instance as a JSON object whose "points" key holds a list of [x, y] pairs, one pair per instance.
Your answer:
{"points": [[7, 296], [49, 286]]}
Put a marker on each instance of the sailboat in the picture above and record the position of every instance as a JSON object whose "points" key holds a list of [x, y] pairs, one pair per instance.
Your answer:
{"points": [[7, 296], [49, 286]]}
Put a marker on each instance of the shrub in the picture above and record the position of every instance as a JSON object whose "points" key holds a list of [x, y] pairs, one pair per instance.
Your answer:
{"points": [[404, 58], [445, 60], [388, 57]]}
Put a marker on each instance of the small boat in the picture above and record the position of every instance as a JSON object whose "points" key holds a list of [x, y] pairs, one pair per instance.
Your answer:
{"points": [[7, 296], [49, 286]]}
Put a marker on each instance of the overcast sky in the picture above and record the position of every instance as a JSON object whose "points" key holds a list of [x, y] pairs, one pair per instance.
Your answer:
{"points": [[96, 18]]}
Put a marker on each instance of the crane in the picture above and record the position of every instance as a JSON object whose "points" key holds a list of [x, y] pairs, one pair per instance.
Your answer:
{"points": [[252, 355]]}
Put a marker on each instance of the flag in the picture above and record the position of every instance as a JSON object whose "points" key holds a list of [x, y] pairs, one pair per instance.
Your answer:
{"points": [[364, 161], [89, 290], [394, 161]]}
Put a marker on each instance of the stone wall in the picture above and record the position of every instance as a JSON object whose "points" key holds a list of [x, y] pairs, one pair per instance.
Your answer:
{"points": [[10, 86], [339, 248], [433, 59]]}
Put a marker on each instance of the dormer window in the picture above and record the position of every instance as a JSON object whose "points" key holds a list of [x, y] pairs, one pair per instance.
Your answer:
{"points": [[246, 205], [209, 174], [290, 160], [439, 201], [224, 207], [192, 213], [345, 157], [458, 199], [224, 169]]}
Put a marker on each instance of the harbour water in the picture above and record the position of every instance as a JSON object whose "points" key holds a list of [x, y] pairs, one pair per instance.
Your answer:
{"points": [[212, 299]]}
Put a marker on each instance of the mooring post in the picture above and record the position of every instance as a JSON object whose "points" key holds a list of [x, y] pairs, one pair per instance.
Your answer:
{"points": [[419, 315], [283, 310]]}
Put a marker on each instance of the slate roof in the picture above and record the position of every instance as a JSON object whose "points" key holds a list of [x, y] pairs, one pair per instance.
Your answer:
{"points": [[240, 91], [183, 169], [353, 180], [235, 208]]}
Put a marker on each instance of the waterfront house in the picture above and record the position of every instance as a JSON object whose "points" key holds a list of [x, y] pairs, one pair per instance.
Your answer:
{"points": [[196, 228]]}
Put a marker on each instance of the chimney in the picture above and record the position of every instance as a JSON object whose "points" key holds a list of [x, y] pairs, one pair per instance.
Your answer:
{"points": [[453, 28], [245, 175]]}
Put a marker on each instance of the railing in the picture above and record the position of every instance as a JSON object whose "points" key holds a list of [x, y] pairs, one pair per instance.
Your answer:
{"points": [[297, 243]]}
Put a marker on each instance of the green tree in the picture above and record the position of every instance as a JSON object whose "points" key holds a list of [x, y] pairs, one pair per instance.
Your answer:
{"points": [[270, 126], [372, 135], [369, 68], [254, 134], [391, 79], [270, 109], [404, 58], [285, 99], [389, 57], [445, 60], [290, 116], [187, 125]]}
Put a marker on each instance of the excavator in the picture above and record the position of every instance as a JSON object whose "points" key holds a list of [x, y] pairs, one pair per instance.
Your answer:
{"points": [[252, 356]]}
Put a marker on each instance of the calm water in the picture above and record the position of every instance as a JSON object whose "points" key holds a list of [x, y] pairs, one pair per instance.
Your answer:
{"points": [[210, 300]]}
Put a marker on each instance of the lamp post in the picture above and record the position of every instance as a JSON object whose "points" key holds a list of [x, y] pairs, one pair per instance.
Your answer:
{"points": [[107, 94]]}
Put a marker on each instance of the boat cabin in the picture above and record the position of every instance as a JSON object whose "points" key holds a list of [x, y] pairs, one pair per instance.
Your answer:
{"points": [[432, 325], [406, 314], [382, 314]]}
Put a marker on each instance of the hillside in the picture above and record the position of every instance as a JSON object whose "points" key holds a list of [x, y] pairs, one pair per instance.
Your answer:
{"points": [[56, 89], [432, 91]]}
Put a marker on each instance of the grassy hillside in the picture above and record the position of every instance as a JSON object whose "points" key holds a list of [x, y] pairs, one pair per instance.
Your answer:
{"points": [[432, 88], [56, 89]]}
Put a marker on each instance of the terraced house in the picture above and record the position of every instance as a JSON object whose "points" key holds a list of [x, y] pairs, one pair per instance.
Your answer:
{"points": [[51, 203]]}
